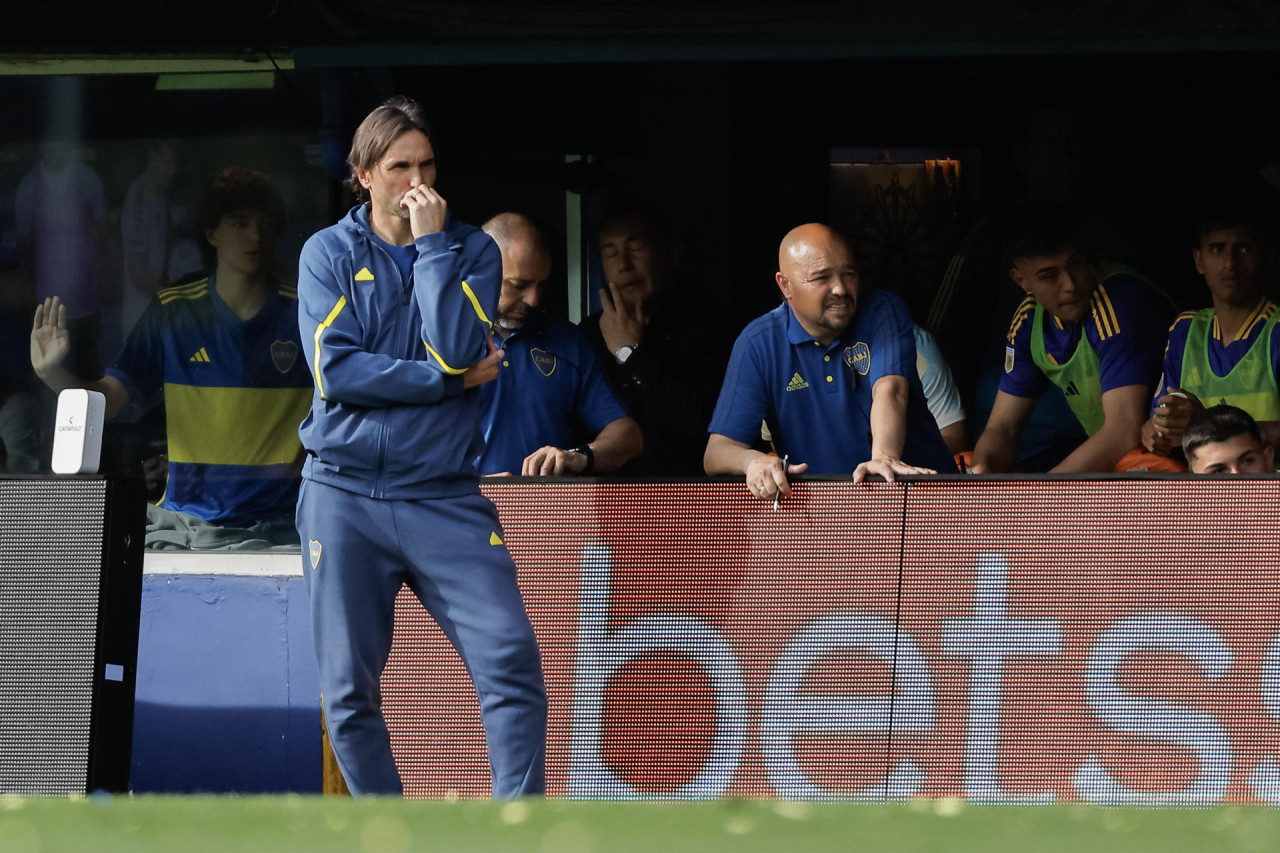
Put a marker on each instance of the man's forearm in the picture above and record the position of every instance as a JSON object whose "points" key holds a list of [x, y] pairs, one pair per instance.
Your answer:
{"points": [[617, 443], [726, 456], [889, 417], [1100, 452], [343, 370], [58, 378], [955, 437], [995, 452]]}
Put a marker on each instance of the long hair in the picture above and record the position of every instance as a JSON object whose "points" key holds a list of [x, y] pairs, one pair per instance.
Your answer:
{"points": [[375, 134]]}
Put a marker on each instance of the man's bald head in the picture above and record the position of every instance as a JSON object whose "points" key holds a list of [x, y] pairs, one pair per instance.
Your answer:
{"points": [[526, 264], [817, 277], [803, 240], [508, 227]]}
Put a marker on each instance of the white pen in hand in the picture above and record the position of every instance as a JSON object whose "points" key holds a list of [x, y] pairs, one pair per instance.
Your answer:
{"points": [[778, 495]]}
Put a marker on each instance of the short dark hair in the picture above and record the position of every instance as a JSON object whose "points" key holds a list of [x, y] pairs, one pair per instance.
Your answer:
{"points": [[396, 115], [234, 189], [1218, 423], [1033, 228], [1232, 208]]}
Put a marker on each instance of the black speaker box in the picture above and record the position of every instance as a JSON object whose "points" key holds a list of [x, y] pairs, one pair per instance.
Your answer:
{"points": [[70, 601]]}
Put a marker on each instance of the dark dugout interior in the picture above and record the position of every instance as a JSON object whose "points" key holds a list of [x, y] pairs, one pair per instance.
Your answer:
{"points": [[738, 152], [730, 116]]}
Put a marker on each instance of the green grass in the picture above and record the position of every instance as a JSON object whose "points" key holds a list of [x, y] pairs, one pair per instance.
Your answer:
{"points": [[288, 823]]}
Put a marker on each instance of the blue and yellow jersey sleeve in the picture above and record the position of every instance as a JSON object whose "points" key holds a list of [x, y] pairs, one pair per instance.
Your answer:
{"points": [[1175, 346], [141, 363], [1126, 329], [1020, 376]]}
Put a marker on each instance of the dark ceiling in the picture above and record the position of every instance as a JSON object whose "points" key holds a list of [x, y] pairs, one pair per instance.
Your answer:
{"points": [[486, 31]]}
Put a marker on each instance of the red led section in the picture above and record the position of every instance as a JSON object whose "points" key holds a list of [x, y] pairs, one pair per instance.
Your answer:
{"points": [[1109, 641]]}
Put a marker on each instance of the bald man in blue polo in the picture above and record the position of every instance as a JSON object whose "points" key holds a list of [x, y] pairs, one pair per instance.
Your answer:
{"points": [[550, 412], [831, 372]]}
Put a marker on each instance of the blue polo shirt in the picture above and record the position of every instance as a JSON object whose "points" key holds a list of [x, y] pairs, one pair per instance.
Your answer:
{"points": [[816, 400], [549, 391]]}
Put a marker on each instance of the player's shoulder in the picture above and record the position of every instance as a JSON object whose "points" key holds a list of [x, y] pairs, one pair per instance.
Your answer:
{"points": [[1125, 284], [553, 332], [186, 289], [1020, 325], [337, 238], [1182, 323], [882, 300], [881, 313], [1125, 293], [470, 240], [765, 328]]}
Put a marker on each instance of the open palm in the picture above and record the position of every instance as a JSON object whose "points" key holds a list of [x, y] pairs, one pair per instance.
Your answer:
{"points": [[50, 342]]}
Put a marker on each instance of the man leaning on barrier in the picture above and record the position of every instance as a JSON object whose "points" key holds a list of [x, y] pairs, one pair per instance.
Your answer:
{"points": [[831, 372]]}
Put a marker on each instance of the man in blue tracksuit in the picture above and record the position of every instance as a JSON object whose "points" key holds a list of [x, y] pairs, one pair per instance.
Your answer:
{"points": [[394, 307]]}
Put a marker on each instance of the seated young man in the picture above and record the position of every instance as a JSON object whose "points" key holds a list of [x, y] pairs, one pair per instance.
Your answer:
{"points": [[1092, 330], [224, 348], [1224, 439], [1229, 353]]}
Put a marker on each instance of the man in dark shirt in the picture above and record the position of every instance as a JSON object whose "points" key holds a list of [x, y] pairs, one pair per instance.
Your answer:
{"points": [[663, 348]]}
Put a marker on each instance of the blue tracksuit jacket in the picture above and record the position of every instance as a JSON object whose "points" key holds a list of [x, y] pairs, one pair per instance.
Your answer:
{"points": [[382, 349]]}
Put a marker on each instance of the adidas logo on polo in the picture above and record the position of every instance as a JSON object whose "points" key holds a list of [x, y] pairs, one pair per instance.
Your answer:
{"points": [[201, 357], [797, 383], [1071, 391]]}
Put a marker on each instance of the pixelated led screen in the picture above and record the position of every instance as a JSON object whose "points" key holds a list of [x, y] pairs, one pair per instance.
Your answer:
{"points": [[51, 543], [1107, 641]]}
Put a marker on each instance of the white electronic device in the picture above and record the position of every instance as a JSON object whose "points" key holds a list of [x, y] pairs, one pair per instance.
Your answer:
{"points": [[77, 435]]}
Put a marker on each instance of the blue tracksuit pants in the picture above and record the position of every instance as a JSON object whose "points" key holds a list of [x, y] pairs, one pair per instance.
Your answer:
{"points": [[356, 552]]}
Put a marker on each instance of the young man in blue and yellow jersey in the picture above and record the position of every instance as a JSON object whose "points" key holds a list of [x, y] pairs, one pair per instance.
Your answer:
{"points": [[1092, 330], [1229, 353], [550, 412], [832, 373], [224, 348], [395, 302]]}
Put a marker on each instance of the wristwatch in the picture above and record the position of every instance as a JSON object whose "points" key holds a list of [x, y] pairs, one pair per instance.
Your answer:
{"points": [[624, 352], [585, 450]]}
